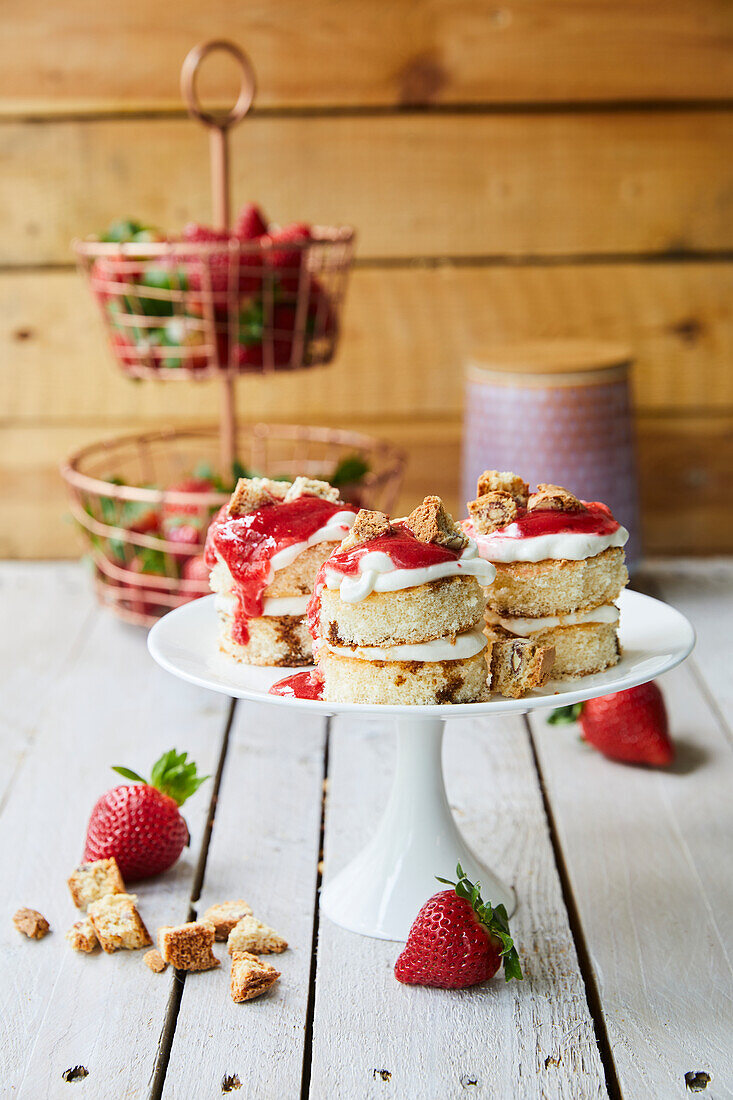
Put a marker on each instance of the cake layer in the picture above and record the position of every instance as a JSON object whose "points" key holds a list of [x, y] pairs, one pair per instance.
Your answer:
{"points": [[447, 606], [517, 665], [580, 649], [295, 579], [273, 640], [557, 587], [413, 683]]}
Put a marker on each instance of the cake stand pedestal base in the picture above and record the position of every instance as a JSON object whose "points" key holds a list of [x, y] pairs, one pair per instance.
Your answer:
{"points": [[380, 892]]}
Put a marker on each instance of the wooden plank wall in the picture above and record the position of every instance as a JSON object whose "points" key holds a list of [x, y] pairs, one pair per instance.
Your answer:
{"points": [[521, 169]]}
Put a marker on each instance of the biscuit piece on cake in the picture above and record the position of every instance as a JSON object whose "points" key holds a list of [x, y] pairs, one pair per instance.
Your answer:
{"points": [[250, 977], [367, 526], [154, 961], [492, 510], [82, 936], [118, 924], [225, 915], [553, 498], [310, 487], [91, 881], [430, 522], [251, 493], [517, 666], [250, 934], [31, 923], [188, 946], [580, 648], [498, 481]]}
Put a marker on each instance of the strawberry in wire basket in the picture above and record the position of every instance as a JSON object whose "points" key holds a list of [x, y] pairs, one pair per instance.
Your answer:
{"points": [[458, 940]]}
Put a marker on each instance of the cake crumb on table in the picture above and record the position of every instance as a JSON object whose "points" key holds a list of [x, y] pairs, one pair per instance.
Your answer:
{"points": [[31, 923], [155, 961]]}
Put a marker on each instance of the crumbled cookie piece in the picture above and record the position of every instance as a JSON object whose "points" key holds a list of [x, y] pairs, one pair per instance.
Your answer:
{"points": [[553, 498], [502, 481], [252, 493], [367, 526], [225, 915], [82, 936], [516, 665], [118, 924], [31, 923], [430, 522], [250, 977], [309, 487], [492, 511], [250, 934], [91, 881], [155, 961], [188, 946]]}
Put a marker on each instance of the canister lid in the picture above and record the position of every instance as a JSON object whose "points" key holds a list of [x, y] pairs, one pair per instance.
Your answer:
{"points": [[550, 357]]}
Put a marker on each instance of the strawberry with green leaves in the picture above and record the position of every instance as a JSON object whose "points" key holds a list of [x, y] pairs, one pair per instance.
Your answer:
{"points": [[458, 940], [631, 726], [141, 825]]}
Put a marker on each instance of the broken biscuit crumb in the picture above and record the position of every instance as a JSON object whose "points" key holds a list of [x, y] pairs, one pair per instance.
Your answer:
{"points": [[82, 936], [91, 881], [367, 526], [188, 946], [31, 923], [503, 481], [118, 924], [250, 934], [252, 493], [553, 498], [492, 511], [225, 915], [155, 961], [250, 977], [430, 522], [310, 487]]}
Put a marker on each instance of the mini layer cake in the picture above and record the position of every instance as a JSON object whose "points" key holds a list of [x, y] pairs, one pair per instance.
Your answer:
{"points": [[559, 567], [264, 551], [397, 612]]}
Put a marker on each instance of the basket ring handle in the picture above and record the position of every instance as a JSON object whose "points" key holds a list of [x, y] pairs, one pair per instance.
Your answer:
{"points": [[247, 88]]}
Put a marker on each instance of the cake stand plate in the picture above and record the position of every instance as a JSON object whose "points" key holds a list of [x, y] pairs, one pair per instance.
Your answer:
{"points": [[379, 893]]}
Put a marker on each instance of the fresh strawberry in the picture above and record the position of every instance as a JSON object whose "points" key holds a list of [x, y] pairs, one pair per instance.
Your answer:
{"points": [[456, 940], [217, 262], [288, 261], [250, 223], [195, 569], [141, 825], [631, 725]]}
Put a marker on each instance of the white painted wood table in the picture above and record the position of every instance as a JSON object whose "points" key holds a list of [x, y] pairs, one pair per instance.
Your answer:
{"points": [[624, 925]]}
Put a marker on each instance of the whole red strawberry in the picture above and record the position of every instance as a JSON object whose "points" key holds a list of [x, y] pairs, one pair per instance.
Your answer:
{"points": [[250, 222], [456, 940], [141, 825], [631, 725]]}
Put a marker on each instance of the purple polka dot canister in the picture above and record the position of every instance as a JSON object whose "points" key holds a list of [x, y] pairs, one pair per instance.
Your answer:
{"points": [[555, 411]]}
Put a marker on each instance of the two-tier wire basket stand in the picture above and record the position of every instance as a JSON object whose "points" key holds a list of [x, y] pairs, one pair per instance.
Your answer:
{"points": [[218, 307]]}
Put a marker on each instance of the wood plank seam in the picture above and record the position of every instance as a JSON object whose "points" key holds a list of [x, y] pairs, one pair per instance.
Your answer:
{"points": [[168, 1030], [310, 1009], [584, 962]]}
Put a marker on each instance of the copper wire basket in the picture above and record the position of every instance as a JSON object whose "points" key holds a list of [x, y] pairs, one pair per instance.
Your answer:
{"points": [[141, 569], [179, 309]]}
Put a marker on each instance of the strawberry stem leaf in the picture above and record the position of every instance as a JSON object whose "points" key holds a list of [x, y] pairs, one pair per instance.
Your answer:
{"points": [[493, 917], [565, 716], [174, 774]]}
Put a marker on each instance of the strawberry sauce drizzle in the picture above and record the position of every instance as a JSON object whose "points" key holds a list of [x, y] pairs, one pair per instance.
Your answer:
{"points": [[595, 520], [405, 550], [301, 685], [248, 543]]}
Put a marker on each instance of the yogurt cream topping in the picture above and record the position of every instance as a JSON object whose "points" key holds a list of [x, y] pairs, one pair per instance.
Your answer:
{"points": [[606, 613], [396, 561], [537, 536], [275, 605], [454, 648]]}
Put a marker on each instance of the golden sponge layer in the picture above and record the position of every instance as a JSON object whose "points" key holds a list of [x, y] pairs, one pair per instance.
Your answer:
{"points": [[273, 640], [420, 614], [557, 587], [415, 683]]}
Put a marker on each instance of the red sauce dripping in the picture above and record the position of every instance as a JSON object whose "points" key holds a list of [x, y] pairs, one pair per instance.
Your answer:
{"points": [[595, 520], [405, 550], [248, 543], [301, 685]]}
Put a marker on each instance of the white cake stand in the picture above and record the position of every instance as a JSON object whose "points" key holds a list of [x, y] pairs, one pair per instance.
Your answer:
{"points": [[379, 893]]}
